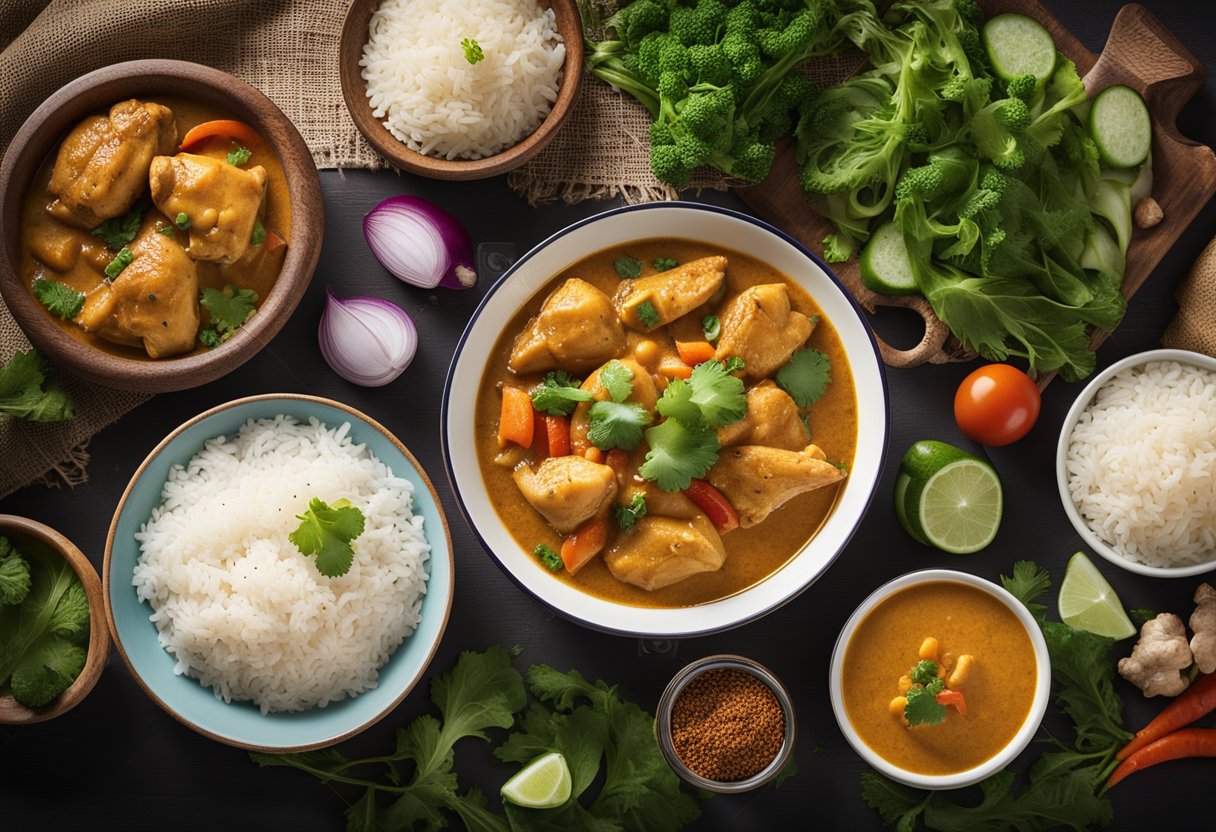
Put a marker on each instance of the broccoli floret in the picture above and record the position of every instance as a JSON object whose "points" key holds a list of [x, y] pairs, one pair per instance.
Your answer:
{"points": [[660, 134], [753, 161], [693, 151], [996, 131], [638, 19], [699, 24], [672, 87], [945, 173], [709, 115], [709, 65], [46, 672], [14, 574], [744, 57], [668, 165], [1023, 87], [837, 248], [650, 54]]}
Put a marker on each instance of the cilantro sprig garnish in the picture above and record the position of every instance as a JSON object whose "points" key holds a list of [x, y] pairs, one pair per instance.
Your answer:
{"points": [[664, 264], [327, 531], [473, 53], [922, 707], [617, 423], [559, 394], [551, 559], [229, 308], [627, 516], [648, 316], [118, 231], [239, 156], [59, 299], [628, 268], [805, 376]]}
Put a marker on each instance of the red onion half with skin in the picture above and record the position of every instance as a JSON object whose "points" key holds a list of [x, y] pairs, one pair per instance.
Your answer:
{"points": [[367, 341], [420, 243]]}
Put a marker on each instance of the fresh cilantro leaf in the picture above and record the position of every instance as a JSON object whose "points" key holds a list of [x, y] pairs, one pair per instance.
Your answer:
{"points": [[628, 267], [14, 574], [676, 403], [617, 379], [718, 394], [59, 299], [678, 455], [923, 707], [121, 260], [1142, 616], [118, 231], [551, 559], [259, 232], [924, 672], [805, 376], [734, 364], [663, 264], [711, 326], [209, 338], [935, 687], [30, 391], [239, 156], [617, 425], [559, 394], [473, 52], [182, 221], [229, 308], [1028, 584], [627, 516], [168, 230], [327, 531], [648, 316]]}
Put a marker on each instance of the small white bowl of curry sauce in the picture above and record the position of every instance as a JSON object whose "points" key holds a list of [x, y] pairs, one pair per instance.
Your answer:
{"points": [[940, 679]]}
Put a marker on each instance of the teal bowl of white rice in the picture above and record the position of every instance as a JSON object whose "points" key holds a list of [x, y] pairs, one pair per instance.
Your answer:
{"points": [[227, 624]]}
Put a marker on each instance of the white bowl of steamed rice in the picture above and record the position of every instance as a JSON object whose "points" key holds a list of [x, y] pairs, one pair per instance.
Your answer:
{"points": [[278, 573], [1136, 463], [460, 90]]}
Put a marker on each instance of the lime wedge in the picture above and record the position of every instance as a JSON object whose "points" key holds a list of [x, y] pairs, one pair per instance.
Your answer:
{"points": [[951, 499], [543, 784], [1088, 603]]}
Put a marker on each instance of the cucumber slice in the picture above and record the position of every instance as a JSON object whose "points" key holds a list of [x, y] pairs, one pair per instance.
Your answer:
{"points": [[885, 267], [1120, 126], [1018, 45]]}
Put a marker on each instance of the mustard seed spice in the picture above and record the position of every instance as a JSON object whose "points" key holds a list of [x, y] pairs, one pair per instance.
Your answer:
{"points": [[727, 725]]}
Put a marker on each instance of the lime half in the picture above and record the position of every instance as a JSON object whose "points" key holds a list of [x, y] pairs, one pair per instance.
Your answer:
{"points": [[543, 784], [1087, 602], [951, 499]]}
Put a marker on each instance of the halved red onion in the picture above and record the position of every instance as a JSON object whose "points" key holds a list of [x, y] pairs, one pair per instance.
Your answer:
{"points": [[420, 243], [368, 341]]}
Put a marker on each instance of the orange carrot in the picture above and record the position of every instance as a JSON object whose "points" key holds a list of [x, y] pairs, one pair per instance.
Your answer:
{"points": [[1179, 745], [557, 432], [1196, 701], [955, 698], [617, 460], [715, 505], [594, 454], [675, 370], [540, 434], [693, 353], [584, 544], [515, 423], [220, 127], [273, 241]]}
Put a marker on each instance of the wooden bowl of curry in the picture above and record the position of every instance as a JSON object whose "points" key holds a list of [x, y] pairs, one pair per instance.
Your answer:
{"points": [[161, 221]]}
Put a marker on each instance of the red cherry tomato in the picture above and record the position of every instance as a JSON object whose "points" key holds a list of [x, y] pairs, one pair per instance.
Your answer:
{"points": [[996, 405]]}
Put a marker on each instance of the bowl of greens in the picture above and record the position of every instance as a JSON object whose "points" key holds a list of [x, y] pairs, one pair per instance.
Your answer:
{"points": [[53, 637]]}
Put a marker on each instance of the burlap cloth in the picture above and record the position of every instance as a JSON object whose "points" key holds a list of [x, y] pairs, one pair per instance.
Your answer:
{"points": [[1194, 327]]}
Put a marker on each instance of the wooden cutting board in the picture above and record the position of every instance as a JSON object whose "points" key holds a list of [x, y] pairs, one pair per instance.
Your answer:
{"points": [[1139, 53]]}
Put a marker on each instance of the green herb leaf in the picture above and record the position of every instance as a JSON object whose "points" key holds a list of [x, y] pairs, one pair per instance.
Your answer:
{"points": [[121, 260], [897, 805], [209, 338], [627, 516], [14, 575], [1142, 616], [559, 394], [663, 264], [551, 559], [182, 221], [229, 308], [805, 376], [259, 232], [734, 364], [648, 316], [923, 707], [59, 299], [617, 425], [678, 455], [472, 50], [628, 268], [168, 230], [617, 379], [327, 531], [239, 156], [29, 390], [712, 327], [119, 231], [718, 394], [1028, 584], [924, 672]]}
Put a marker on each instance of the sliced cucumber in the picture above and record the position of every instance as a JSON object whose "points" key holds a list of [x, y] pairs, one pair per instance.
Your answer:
{"points": [[1018, 45], [885, 267], [1120, 126]]}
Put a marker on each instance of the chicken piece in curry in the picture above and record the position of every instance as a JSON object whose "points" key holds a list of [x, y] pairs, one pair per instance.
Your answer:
{"points": [[666, 424], [154, 229]]}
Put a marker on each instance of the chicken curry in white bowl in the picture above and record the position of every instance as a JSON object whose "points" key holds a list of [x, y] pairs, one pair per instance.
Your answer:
{"points": [[665, 420]]}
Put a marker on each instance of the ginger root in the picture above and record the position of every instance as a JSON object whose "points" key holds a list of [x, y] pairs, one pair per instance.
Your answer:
{"points": [[1203, 624], [1159, 657]]}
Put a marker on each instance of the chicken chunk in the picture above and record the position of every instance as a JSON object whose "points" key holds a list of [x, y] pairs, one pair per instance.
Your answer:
{"points": [[567, 490], [221, 200], [760, 327], [575, 330], [759, 480], [772, 420], [152, 303], [672, 294], [102, 166], [661, 551]]}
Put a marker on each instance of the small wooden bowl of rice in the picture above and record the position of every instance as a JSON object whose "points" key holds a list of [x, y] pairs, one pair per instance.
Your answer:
{"points": [[1136, 463], [460, 90]]}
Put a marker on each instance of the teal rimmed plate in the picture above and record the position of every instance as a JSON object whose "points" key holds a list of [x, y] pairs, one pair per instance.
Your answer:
{"points": [[241, 723]]}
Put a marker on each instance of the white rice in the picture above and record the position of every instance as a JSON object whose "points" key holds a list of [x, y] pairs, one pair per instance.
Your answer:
{"points": [[434, 100], [1141, 464], [240, 608]]}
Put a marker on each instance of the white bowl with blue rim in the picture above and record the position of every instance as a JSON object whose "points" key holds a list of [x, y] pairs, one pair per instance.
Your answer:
{"points": [[716, 227], [241, 723]]}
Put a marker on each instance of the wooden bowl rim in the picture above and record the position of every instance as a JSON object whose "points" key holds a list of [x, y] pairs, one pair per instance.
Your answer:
{"points": [[160, 77], [11, 711], [354, 93], [122, 502]]}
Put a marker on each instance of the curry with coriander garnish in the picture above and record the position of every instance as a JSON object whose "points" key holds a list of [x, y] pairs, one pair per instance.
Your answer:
{"points": [[155, 228], [667, 423]]}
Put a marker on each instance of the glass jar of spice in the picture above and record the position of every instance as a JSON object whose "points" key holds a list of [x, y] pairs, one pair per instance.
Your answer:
{"points": [[725, 724]]}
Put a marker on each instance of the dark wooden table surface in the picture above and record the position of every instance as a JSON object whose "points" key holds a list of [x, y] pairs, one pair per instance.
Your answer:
{"points": [[118, 762]]}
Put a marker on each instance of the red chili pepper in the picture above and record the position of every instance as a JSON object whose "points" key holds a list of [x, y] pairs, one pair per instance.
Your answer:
{"points": [[715, 505], [1179, 745], [1196, 701]]}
